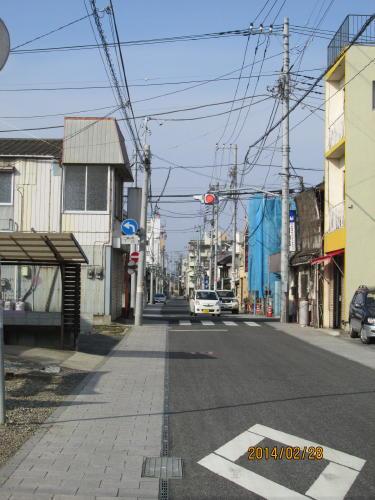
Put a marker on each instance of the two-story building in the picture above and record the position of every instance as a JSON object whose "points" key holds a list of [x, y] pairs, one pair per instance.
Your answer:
{"points": [[73, 185]]}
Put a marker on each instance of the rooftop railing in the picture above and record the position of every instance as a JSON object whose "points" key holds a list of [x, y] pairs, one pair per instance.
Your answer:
{"points": [[347, 32]]}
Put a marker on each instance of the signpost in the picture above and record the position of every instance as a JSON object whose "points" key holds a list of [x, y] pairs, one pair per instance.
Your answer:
{"points": [[4, 53]]}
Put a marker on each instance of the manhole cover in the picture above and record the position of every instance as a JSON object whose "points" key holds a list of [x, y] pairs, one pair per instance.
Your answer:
{"points": [[162, 467]]}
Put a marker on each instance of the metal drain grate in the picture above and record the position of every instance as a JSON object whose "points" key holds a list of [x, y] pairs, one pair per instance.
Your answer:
{"points": [[162, 467], [163, 489]]}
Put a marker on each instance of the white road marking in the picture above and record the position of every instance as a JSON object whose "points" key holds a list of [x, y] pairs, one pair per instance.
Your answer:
{"points": [[334, 482], [230, 323], [199, 330], [251, 323], [184, 323], [234, 449], [339, 457], [208, 323], [247, 479]]}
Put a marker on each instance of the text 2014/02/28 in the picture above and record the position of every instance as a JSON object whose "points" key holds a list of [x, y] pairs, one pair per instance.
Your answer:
{"points": [[285, 453]]}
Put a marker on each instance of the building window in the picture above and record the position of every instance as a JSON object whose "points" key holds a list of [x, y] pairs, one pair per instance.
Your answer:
{"points": [[373, 95], [6, 188], [85, 188]]}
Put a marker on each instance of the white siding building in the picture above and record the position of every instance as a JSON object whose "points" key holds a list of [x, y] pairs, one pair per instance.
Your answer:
{"points": [[70, 185]]}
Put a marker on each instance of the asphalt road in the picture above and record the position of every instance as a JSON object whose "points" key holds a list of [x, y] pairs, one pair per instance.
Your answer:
{"points": [[224, 380]]}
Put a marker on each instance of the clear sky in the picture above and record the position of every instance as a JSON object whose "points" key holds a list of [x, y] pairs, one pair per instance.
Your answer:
{"points": [[190, 143]]}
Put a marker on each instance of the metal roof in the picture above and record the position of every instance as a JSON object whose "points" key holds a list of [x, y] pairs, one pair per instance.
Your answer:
{"points": [[40, 248], [95, 141], [31, 147]]}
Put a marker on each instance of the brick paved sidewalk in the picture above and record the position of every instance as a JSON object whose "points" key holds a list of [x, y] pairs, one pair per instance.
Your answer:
{"points": [[94, 446]]}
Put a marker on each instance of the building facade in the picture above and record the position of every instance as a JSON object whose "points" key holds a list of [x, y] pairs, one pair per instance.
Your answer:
{"points": [[306, 273], [349, 180], [70, 185]]}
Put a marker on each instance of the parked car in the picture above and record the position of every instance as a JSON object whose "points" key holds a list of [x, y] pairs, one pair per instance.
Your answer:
{"points": [[205, 302], [228, 301], [362, 314], [160, 297]]}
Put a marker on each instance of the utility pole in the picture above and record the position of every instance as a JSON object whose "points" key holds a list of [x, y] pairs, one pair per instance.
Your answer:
{"points": [[143, 233], [234, 238], [152, 245], [216, 215], [285, 180], [199, 276]]}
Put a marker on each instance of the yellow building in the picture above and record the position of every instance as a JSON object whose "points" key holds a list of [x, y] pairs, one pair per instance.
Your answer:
{"points": [[349, 223]]}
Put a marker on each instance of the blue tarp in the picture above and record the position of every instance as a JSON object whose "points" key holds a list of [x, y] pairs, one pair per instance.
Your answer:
{"points": [[264, 240]]}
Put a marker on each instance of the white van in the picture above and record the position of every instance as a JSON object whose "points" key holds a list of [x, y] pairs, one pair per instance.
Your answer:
{"points": [[205, 302]]}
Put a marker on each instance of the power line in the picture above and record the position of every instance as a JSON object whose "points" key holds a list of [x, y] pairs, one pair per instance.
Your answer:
{"points": [[123, 71], [13, 50], [151, 41], [308, 91], [105, 87], [154, 116], [122, 103], [26, 117]]}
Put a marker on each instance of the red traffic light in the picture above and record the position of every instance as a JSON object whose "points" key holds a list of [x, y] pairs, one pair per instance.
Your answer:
{"points": [[209, 199]]}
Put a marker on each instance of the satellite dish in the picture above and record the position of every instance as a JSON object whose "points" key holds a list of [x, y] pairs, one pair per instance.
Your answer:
{"points": [[4, 44]]}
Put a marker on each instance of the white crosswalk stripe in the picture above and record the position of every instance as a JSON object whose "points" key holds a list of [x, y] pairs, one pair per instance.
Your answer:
{"points": [[212, 323]]}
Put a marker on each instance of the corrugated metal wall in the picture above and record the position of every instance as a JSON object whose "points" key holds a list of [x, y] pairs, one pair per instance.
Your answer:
{"points": [[37, 205], [37, 195], [92, 141], [89, 229]]}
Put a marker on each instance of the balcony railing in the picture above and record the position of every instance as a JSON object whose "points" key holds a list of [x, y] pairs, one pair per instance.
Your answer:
{"points": [[336, 216], [347, 32], [336, 131]]}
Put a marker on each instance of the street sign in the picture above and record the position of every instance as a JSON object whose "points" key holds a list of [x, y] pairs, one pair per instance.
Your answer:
{"points": [[134, 257], [292, 230], [129, 240], [129, 227]]}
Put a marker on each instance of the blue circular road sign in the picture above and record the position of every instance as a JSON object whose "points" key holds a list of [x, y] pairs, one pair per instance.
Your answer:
{"points": [[129, 227]]}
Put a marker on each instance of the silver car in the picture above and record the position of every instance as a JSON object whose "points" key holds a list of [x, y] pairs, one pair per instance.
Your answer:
{"points": [[228, 301], [160, 297]]}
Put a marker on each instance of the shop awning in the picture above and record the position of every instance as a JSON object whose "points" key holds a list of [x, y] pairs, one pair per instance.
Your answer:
{"points": [[327, 257], [40, 248]]}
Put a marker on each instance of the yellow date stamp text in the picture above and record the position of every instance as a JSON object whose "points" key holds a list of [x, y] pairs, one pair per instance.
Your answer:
{"points": [[255, 453]]}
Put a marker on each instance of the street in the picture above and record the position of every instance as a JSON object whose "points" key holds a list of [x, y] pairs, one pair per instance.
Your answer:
{"points": [[231, 374]]}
